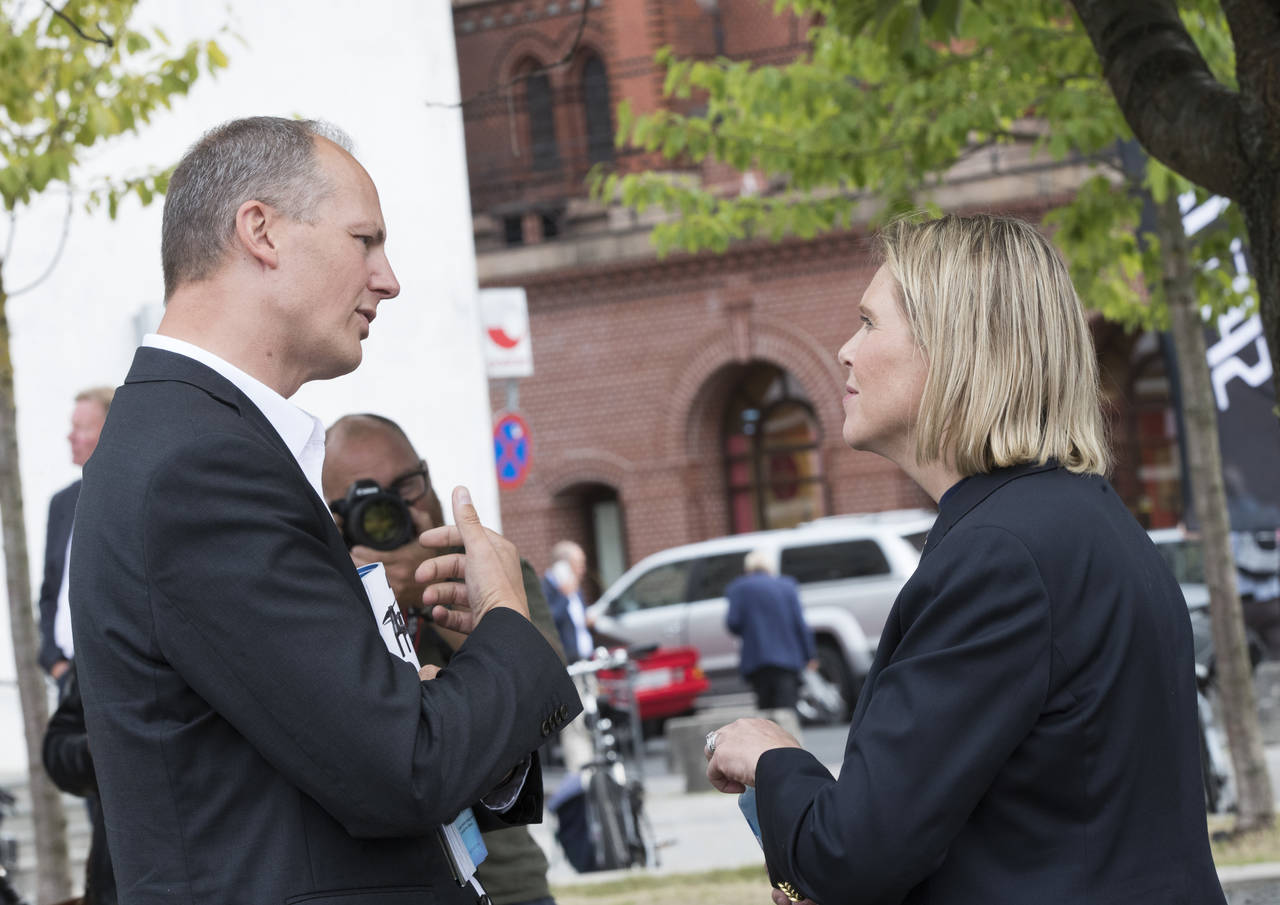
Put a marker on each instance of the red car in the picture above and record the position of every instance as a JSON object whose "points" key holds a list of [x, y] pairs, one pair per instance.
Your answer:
{"points": [[666, 684]]}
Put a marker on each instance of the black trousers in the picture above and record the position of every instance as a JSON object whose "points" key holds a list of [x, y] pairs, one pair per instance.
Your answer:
{"points": [[775, 687]]}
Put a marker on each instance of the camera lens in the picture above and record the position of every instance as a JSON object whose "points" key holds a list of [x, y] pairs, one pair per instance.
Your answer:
{"points": [[385, 523], [372, 517]]}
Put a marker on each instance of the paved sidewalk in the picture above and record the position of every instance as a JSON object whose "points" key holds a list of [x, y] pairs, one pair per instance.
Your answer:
{"points": [[1251, 884], [705, 831], [695, 833]]}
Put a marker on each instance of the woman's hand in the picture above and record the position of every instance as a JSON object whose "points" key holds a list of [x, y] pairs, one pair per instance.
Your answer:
{"points": [[738, 746]]}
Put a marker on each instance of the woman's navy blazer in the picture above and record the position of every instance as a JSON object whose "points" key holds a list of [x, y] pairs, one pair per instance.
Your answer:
{"points": [[1027, 732]]}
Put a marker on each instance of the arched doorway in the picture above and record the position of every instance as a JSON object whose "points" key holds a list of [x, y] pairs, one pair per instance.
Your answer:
{"points": [[591, 515], [770, 442]]}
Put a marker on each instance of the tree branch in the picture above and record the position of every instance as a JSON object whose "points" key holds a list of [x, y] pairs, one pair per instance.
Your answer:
{"points": [[8, 242], [57, 255], [105, 39], [1179, 112]]}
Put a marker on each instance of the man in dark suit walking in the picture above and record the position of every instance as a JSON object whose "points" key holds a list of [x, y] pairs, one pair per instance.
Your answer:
{"points": [[56, 643], [777, 646], [253, 739]]}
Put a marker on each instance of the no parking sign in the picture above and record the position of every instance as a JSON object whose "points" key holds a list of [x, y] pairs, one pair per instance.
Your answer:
{"points": [[511, 450]]}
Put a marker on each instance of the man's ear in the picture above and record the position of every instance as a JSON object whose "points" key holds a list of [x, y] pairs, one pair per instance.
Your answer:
{"points": [[255, 222]]}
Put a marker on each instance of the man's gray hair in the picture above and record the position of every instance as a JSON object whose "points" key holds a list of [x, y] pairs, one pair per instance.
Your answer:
{"points": [[565, 550], [264, 158], [761, 559]]}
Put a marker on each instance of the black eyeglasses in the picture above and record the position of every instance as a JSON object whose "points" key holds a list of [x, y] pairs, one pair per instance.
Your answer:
{"points": [[412, 485]]}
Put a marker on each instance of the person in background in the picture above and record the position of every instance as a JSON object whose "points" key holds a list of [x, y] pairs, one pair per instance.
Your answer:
{"points": [[370, 447], [57, 647], [69, 764], [1028, 729], [777, 646], [562, 586]]}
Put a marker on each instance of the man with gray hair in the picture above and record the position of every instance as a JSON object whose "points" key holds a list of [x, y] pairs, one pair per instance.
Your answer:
{"points": [[764, 610], [254, 740], [562, 586]]}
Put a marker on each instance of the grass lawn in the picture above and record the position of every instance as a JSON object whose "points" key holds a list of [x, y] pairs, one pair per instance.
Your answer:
{"points": [[743, 886], [1253, 848], [750, 885]]}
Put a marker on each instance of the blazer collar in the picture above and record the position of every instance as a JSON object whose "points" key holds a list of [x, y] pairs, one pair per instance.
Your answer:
{"points": [[972, 491], [151, 365]]}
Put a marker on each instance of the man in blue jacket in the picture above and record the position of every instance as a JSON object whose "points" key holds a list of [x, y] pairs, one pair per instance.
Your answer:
{"points": [[764, 610]]}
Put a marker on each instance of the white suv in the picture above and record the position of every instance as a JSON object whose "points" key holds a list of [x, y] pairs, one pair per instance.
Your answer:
{"points": [[849, 568]]}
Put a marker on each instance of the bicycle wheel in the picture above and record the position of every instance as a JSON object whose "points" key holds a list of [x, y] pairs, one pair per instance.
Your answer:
{"points": [[638, 831], [605, 800]]}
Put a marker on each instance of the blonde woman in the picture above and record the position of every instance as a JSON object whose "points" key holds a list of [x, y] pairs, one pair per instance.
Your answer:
{"points": [[1027, 732]]}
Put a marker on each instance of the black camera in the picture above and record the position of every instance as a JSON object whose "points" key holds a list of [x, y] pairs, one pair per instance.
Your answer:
{"points": [[373, 517]]}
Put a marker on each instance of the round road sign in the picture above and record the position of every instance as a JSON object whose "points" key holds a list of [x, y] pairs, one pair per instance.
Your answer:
{"points": [[511, 450]]}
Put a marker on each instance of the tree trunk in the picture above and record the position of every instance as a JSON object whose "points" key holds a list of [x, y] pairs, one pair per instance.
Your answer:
{"points": [[1223, 140], [1234, 676], [1262, 219], [46, 804]]}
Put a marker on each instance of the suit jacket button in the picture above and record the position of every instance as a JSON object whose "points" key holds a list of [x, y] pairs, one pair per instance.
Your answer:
{"points": [[562, 712], [546, 727]]}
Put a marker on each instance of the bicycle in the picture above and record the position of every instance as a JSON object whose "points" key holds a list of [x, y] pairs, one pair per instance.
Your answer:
{"points": [[8, 856], [618, 828]]}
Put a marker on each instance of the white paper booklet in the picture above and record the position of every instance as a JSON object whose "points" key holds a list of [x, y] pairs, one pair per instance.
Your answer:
{"points": [[460, 839], [386, 613]]}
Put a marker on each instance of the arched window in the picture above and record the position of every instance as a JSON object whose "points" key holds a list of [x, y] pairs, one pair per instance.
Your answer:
{"points": [[596, 107], [542, 121], [772, 465]]}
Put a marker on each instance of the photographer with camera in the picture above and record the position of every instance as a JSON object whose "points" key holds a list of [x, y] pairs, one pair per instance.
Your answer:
{"points": [[380, 492]]}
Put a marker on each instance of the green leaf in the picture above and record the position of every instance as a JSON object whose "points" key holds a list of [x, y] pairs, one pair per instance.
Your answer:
{"points": [[944, 16], [217, 59]]}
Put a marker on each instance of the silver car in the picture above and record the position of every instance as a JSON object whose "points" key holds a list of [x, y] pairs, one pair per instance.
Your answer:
{"points": [[849, 568]]}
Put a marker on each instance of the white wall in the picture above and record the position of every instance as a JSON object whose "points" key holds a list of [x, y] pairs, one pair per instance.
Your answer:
{"points": [[370, 68]]}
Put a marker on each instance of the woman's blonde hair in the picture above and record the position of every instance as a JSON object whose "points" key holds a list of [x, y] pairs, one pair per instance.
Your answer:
{"points": [[1013, 375]]}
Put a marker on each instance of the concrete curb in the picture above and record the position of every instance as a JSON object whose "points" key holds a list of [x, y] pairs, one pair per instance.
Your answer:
{"points": [[1251, 884]]}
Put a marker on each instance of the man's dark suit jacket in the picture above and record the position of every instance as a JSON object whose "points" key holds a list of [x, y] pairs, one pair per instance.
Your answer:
{"points": [[764, 610], [254, 740], [1027, 732], [62, 512], [67, 760]]}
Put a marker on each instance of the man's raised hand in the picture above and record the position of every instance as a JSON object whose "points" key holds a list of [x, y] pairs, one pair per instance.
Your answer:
{"points": [[489, 569]]}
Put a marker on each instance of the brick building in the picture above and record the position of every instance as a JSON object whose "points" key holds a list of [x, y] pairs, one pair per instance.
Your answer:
{"points": [[698, 395]]}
